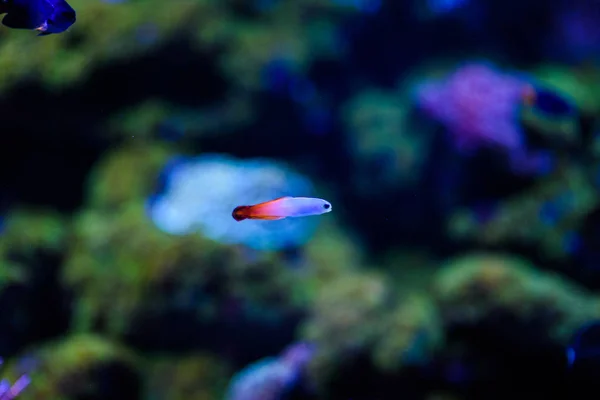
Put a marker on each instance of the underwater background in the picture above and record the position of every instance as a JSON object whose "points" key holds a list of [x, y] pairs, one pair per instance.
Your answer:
{"points": [[457, 140]]}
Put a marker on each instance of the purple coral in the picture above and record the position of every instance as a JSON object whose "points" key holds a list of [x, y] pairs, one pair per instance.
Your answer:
{"points": [[479, 105], [8, 391], [270, 378]]}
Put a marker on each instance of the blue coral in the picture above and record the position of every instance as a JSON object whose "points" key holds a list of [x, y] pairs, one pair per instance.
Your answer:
{"points": [[271, 377], [201, 193]]}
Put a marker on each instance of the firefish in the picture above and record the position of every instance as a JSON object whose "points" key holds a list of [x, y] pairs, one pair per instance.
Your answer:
{"points": [[44, 16], [281, 208]]}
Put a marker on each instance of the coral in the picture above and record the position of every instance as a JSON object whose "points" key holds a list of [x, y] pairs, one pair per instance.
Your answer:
{"points": [[128, 173], [153, 258], [360, 313], [31, 249], [471, 288], [345, 318], [81, 366], [389, 153], [12, 272], [270, 378], [120, 266], [327, 257], [158, 119], [547, 216], [26, 230], [284, 34], [479, 105], [141, 120], [125, 271], [104, 32], [410, 334], [241, 46], [107, 32], [194, 376], [202, 192]]}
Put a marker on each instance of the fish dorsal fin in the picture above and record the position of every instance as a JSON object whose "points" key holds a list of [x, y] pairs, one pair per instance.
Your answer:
{"points": [[277, 199]]}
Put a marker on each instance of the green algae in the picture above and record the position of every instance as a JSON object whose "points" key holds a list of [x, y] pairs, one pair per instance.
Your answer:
{"points": [[194, 376], [65, 369], [471, 287]]}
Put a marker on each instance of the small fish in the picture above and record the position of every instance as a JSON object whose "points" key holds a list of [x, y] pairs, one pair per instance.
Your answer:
{"points": [[548, 102], [585, 344], [282, 207], [44, 16]]}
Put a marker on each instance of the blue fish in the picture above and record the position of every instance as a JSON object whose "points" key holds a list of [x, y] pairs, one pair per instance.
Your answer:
{"points": [[548, 102], [44, 16]]}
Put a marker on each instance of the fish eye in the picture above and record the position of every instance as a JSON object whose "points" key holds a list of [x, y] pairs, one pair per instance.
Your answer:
{"points": [[326, 206]]}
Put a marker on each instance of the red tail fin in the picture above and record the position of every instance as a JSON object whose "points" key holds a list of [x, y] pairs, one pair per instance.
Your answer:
{"points": [[240, 213]]}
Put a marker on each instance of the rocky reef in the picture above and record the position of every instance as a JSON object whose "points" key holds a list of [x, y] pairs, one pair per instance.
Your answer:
{"points": [[461, 256]]}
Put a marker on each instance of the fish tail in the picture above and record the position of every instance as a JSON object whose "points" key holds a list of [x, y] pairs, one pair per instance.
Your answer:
{"points": [[240, 213]]}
